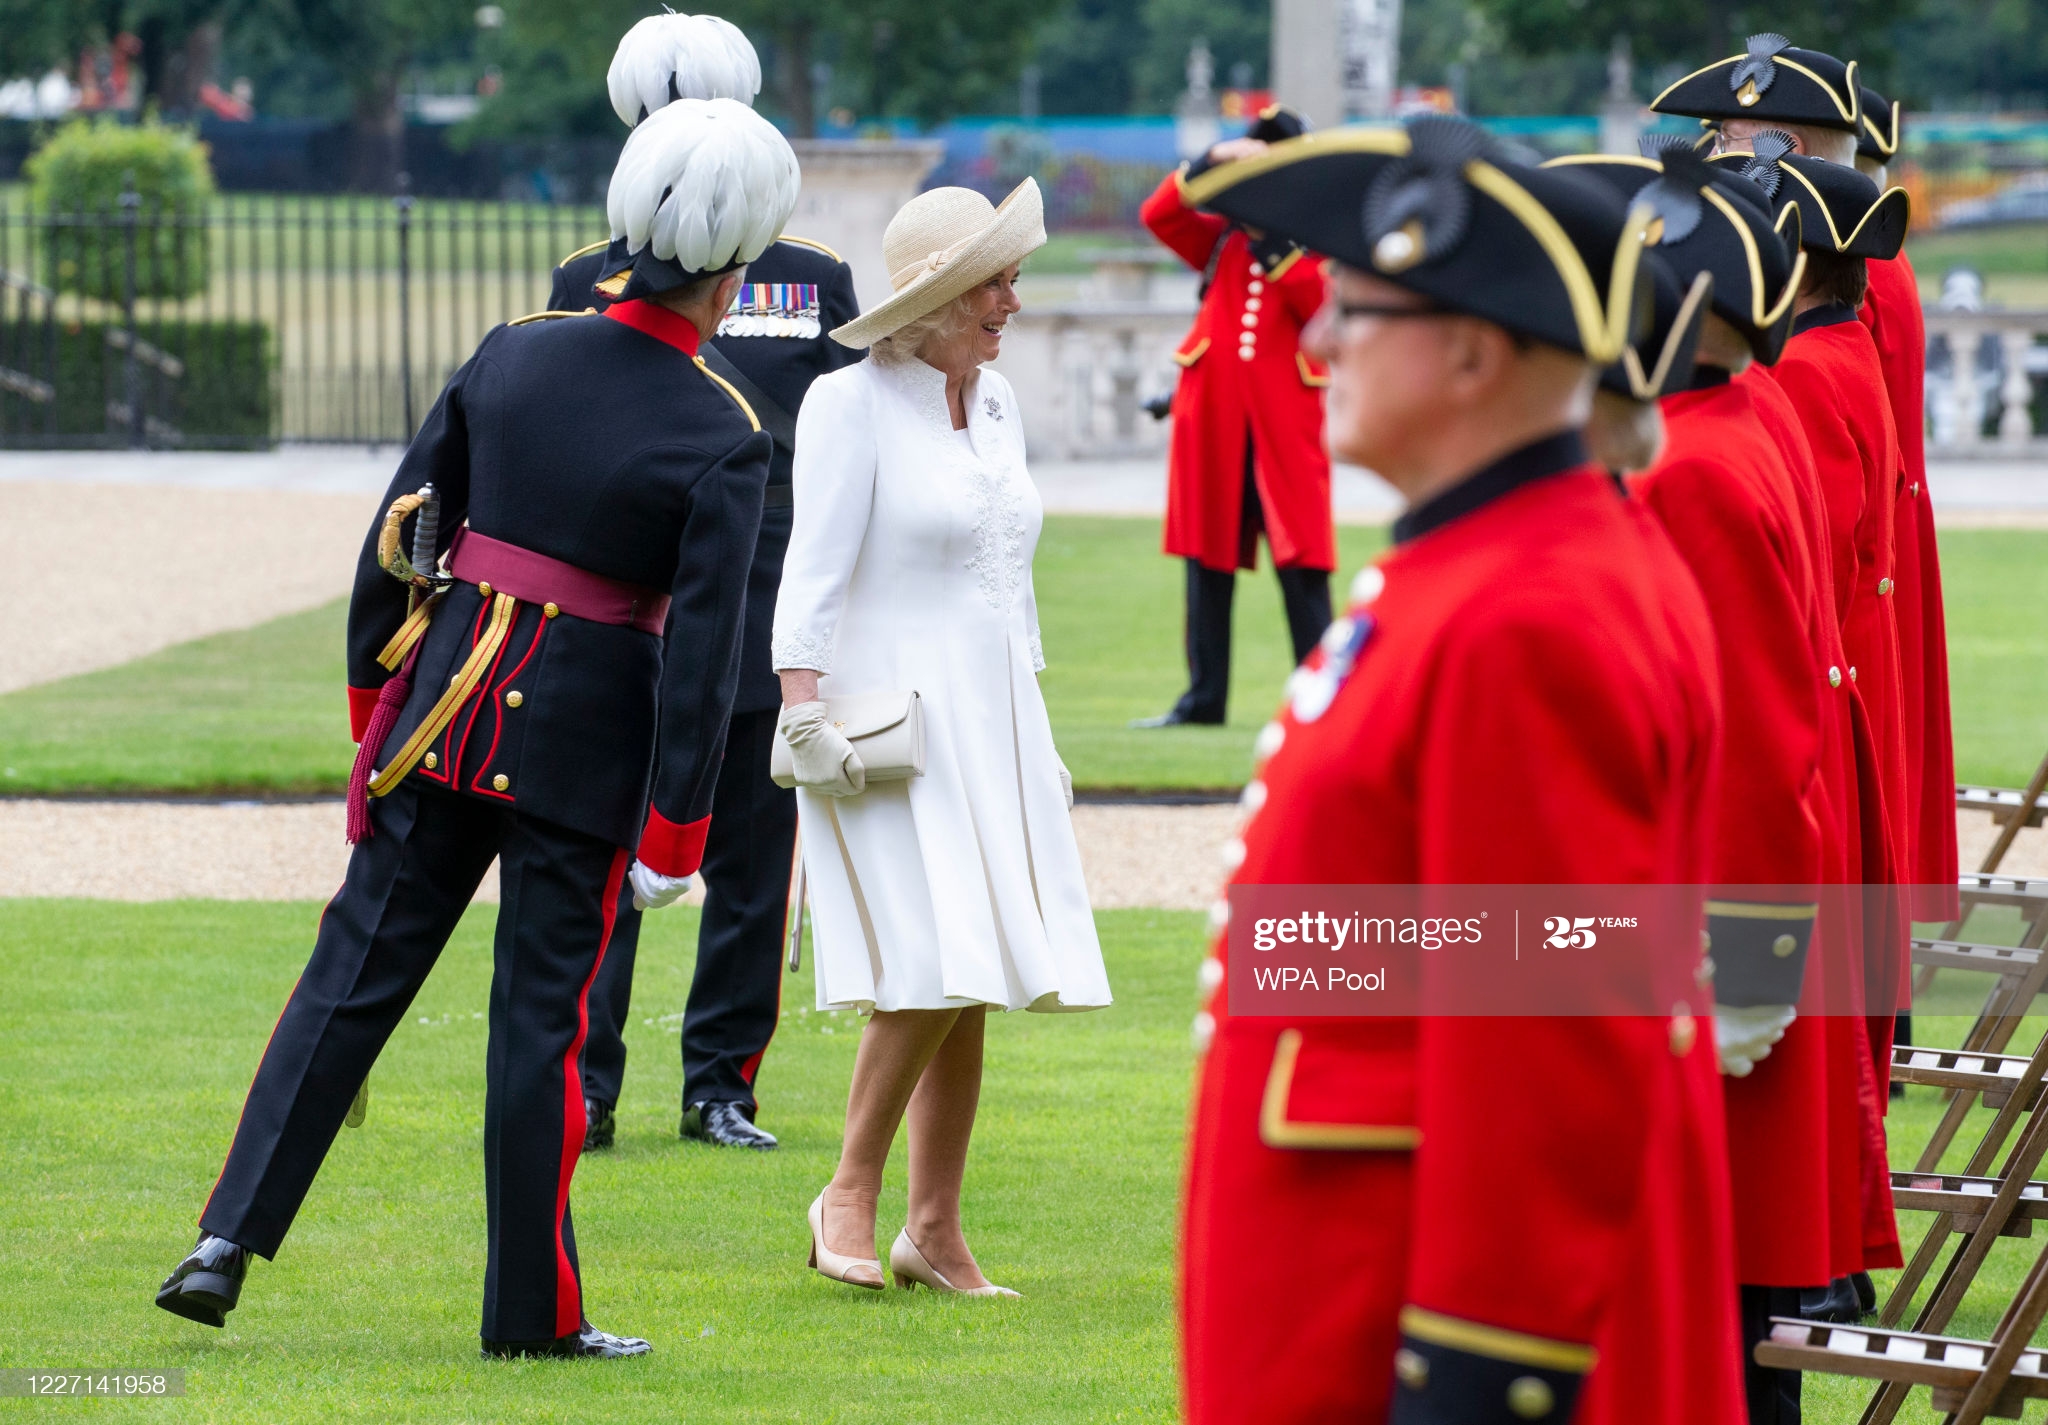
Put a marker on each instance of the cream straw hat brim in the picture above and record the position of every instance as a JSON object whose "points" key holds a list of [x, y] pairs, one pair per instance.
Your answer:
{"points": [[940, 246]]}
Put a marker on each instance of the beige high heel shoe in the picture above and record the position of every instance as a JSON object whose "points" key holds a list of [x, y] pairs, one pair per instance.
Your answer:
{"points": [[830, 1264], [910, 1266]]}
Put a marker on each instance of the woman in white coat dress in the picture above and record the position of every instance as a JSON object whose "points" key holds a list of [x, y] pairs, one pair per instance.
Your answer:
{"points": [[909, 568]]}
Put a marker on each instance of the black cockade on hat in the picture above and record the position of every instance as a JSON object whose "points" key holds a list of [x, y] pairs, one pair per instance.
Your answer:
{"points": [[1418, 209], [1674, 196], [1756, 67], [1765, 151]]}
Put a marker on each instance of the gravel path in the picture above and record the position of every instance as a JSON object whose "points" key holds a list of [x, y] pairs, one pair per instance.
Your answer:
{"points": [[143, 851], [1164, 856], [94, 575]]}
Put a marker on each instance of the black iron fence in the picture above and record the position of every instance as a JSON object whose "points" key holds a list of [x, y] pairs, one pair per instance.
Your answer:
{"points": [[258, 319]]}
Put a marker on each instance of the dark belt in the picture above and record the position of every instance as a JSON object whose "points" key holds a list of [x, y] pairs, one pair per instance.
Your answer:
{"points": [[538, 579]]}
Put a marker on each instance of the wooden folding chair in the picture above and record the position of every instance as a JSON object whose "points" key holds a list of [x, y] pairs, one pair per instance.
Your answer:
{"points": [[2010, 811], [1968, 1379]]}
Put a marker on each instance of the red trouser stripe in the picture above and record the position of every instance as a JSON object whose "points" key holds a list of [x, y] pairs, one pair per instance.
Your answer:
{"points": [[568, 1293]]}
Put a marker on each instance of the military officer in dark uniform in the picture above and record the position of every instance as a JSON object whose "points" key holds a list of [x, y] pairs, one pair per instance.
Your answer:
{"points": [[552, 692], [771, 345]]}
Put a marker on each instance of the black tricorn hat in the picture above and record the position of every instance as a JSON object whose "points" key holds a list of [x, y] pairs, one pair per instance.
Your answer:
{"points": [[1660, 360], [1877, 136], [1433, 207], [1709, 218], [1276, 122], [1774, 81], [1840, 210]]}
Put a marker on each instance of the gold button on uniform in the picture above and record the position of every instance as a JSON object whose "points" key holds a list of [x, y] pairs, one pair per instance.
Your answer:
{"points": [[1784, 945], [1685, 1031], [550, 610], [501, 782], [1834, 677], [1531, 1397], [433, 760], [1884, 586], [514, 698], [484, 589], [1852, 672], [1411, 1368]]}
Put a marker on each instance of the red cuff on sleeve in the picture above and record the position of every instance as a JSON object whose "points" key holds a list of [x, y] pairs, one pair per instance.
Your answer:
{"points": [[361, 703], [672, 849]]}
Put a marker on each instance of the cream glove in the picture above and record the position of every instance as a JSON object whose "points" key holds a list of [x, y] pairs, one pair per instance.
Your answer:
{"points": [[652, 890], [825, 761], [1743, 1036], [1066, 780]]}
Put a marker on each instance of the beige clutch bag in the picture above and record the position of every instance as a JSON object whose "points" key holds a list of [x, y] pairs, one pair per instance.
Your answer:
{"points": [[887, 729]]}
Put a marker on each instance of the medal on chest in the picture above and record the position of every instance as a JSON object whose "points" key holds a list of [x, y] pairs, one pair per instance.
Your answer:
{"points": [[784, 309], [1314, 685]]}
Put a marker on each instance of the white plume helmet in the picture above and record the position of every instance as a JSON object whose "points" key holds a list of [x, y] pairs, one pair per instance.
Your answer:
{"points": [[707, 183], [670, 57]]}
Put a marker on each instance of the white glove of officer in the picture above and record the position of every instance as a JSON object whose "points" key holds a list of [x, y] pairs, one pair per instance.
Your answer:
{"points": [[1066, 780], [824, 760], [652, 890], [1743, 1037]]}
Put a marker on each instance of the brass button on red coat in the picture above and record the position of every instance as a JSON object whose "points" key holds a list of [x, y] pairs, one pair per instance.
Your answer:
{"points": [[1884, 586], [1834, 677]]}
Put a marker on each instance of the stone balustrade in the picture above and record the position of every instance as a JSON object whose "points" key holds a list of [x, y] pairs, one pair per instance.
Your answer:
{"points": [[1084, 368], [1982, 365]]}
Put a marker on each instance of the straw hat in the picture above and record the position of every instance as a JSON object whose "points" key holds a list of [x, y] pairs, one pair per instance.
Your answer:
{"points": [[941, 244]]}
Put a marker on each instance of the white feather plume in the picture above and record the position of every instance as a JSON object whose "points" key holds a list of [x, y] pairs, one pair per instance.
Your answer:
{"points": [[708, 58], [706, 182]]}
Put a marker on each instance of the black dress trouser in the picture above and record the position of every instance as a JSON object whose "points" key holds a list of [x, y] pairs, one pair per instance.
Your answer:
{"points": [[1773, 1394], [379, 937], [736, 992], [1210, 594]]}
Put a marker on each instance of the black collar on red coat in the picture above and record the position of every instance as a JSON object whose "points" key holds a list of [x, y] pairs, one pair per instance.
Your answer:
{"points": [[1552, 455], [1829, 314]]}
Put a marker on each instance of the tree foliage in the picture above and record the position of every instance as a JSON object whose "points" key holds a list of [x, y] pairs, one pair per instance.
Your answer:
{"points": [[1660, 32]]}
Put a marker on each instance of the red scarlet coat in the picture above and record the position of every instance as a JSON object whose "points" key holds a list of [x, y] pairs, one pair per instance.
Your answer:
{"points": [[1892, 315], [1245, 380], [1525, 711], [1831, 374], [1731, 508], [1857, 854]]}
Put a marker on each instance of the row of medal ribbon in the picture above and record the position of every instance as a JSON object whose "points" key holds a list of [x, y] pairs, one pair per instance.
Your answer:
{"points": [[773, 309]]}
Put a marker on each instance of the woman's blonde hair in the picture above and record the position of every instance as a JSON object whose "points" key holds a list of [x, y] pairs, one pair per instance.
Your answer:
{"points": [[906, 341]]}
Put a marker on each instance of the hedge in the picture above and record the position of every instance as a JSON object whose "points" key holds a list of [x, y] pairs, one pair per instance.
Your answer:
{"points": [[80, 174], [223, 397]]}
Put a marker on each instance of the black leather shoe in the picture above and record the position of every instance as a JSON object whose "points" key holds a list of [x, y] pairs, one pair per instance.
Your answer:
{"points": [[1178, 716], [1866, 1291], [599, 1126], [207, 1284], [588, 1342], [1837, 1303], [726, 1125]]}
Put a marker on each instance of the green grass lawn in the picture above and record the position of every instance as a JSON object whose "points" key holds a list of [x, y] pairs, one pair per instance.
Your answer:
{"points": [[127, 1038], [126, 1043], [262, 711]]}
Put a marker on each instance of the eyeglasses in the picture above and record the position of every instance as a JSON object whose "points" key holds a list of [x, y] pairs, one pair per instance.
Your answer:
{"points": [[1346, 310]]}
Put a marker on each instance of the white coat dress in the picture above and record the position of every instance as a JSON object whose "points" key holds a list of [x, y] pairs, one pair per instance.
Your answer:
{"points": [[909, 567]]}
